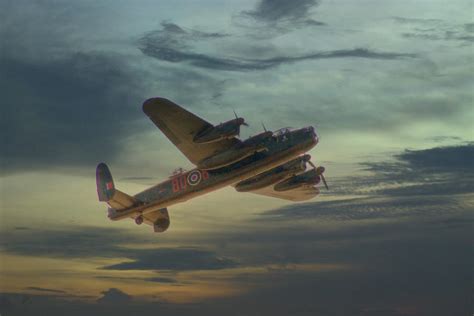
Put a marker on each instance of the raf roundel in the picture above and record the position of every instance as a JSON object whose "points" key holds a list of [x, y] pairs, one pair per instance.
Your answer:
{"points": [[194, 177]]}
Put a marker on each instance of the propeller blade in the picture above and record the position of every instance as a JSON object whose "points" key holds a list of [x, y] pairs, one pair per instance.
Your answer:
{"points": [[264, 128], [237, 118], [320, 171], [324, 181]]}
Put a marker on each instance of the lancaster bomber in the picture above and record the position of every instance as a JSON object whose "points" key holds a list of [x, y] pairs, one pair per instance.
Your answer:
{"points": [[270, 163]]}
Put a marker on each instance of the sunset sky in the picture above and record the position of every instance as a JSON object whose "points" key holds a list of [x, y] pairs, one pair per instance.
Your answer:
{"points": [[387, 84]]}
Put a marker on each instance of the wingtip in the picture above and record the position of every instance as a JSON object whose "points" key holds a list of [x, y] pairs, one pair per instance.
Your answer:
{"points": [[151, 103]]}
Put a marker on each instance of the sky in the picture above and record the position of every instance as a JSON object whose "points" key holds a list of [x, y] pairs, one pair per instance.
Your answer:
{"points": [[387, 84]]}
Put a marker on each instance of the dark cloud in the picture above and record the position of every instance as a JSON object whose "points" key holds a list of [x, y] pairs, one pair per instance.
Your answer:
{"points": [[114, 296], [415, 20], [154, 279], [68, 104], [436, 29], [5, 303], [161, 280], [41, 289], [435, 171], [438, 171], [469, 27], [174, 38], [173, 44], [415, 258], [367, 209], [418, 183], [437, 160], [69, 242], [78, 109], [90, 242], [188, 34], [274, 12], [420, 265], [68, 111], [21, 228], [113, 302], [154, 47], [174, 259], [435, 35], [443, 138], [440, 159]]}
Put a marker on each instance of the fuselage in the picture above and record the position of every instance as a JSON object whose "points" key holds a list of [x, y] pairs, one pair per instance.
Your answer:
{"points": [[282, 147]]}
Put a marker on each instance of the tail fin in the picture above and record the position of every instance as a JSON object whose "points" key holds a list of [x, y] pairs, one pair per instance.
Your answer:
{"points": [[105, 183], [108, 193]]}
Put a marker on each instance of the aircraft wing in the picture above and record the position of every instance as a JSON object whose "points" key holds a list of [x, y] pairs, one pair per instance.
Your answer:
{"points": [[302, 193], [180, 126]]}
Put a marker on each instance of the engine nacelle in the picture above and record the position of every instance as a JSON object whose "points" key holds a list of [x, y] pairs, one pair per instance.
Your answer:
{"points": [[229, 156], [162, 223], [308, 178], [274, 175], [225, 130]]}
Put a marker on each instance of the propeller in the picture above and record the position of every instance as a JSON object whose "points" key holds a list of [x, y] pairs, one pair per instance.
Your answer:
{"points": [[264, 128], [237, 117], [319, 172]]}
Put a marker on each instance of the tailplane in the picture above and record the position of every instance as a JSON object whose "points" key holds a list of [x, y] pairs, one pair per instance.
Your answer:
{"points": [[108, 193]]}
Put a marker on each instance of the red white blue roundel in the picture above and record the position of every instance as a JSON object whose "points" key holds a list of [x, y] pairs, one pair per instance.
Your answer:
{"points": [[194, 177]]}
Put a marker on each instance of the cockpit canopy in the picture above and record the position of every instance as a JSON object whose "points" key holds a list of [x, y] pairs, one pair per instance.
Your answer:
{"points": [[283, 131]]}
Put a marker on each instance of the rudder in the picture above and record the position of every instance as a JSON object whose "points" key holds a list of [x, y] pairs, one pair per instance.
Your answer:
{"points": [[105, 183]]}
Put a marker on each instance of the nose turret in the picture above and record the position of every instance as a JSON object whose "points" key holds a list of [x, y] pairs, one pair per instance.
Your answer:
{"points": [[312, 132]]}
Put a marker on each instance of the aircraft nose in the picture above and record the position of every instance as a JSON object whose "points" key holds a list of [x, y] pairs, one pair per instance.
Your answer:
{"points": [[311, 130]]}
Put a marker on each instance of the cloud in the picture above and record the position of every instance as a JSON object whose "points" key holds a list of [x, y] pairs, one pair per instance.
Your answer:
{"points": [[411, 20], [69, 242], [275, 12], [78, 109], [161, 280], [469, 27], [417, 183], [92, 242], [440, 159], [71, 96], [46, 290], [401, 259], [445, 36], [69, 111], [435, 171], [436, 29], [177, 259], [175, 46], [436, 160], [414, 255], [370, 208], [444, 138], [114, 296], [153, 279]]}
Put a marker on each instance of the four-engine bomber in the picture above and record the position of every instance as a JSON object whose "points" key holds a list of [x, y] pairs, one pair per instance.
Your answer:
{"points": [[270, 163]]}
